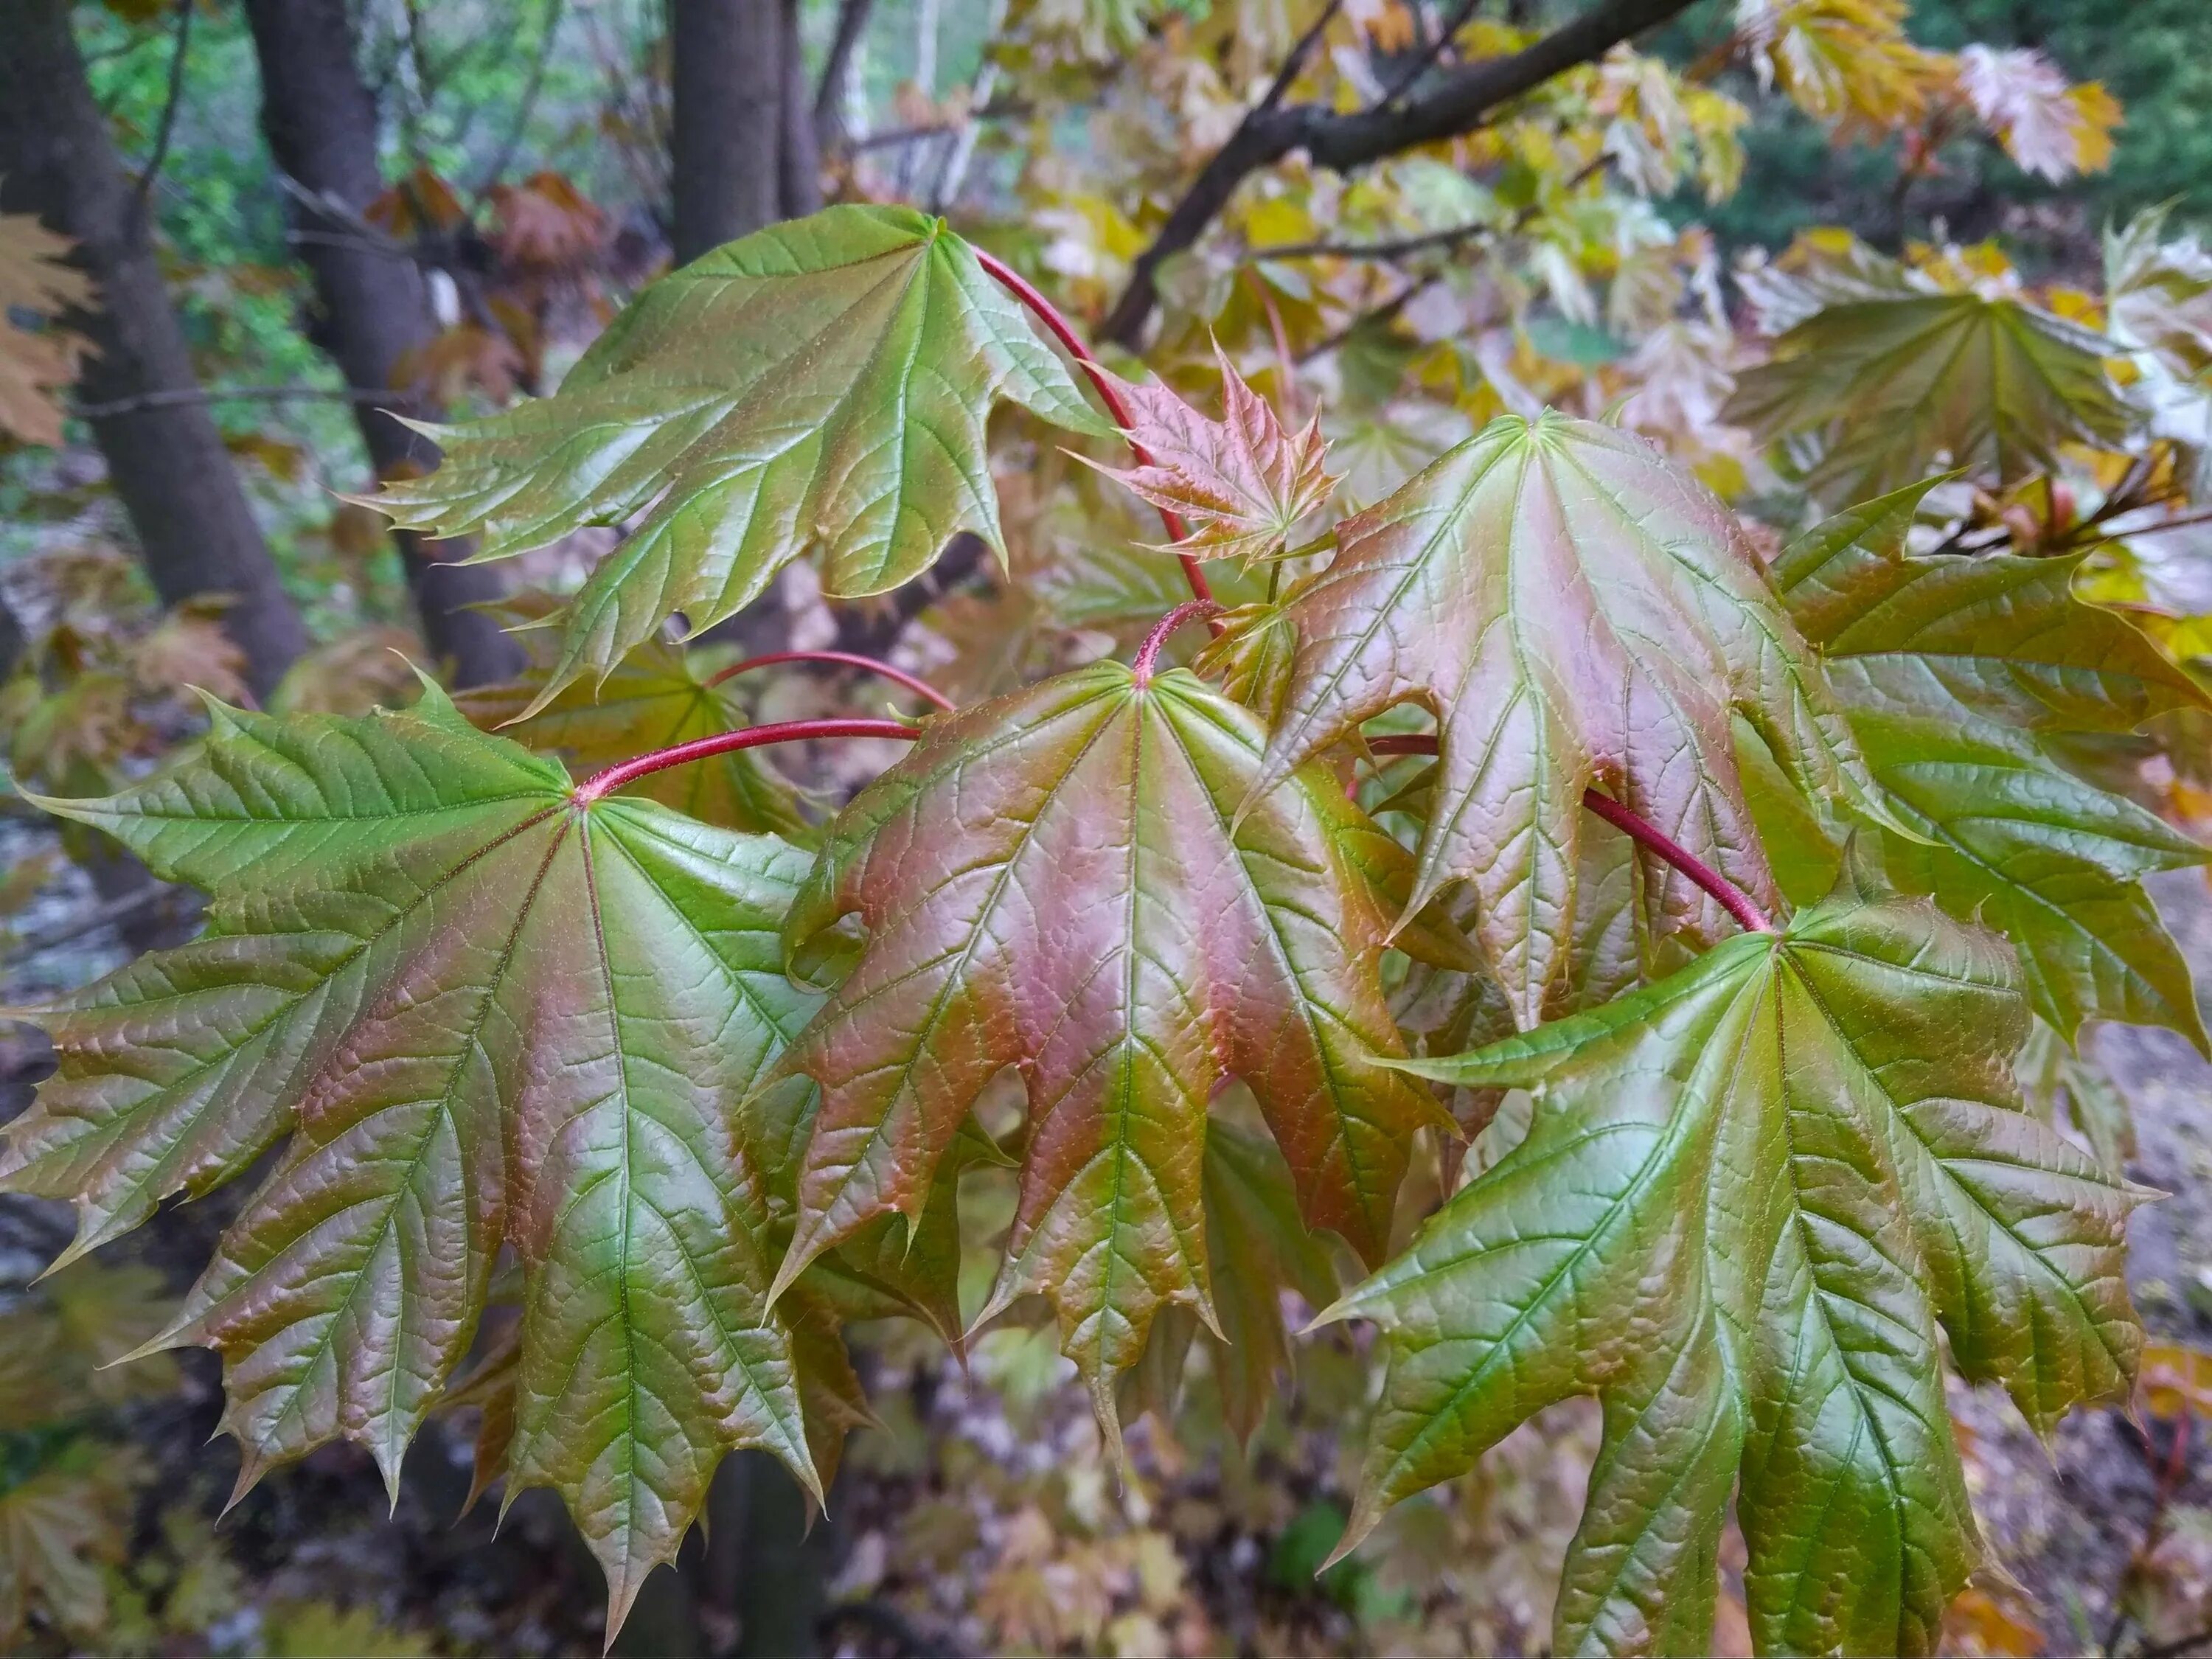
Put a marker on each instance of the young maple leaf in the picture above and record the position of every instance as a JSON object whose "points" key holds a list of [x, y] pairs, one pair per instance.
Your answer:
{"points": [[1053, 882], [480, 1010], [1242, 482], [1574, 610], [1749, 1195]]}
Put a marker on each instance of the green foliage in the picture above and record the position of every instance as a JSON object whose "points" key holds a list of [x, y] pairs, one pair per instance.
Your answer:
{"points": [[1792, 1159], [818, 387], [1575, 613], [486, 1011], [1956, 672]]}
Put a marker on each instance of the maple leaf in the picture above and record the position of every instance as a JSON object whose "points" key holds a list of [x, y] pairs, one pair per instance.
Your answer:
{"points": [[821, 386], [486, 1010], [654, 698], [1053, 882], [34, 282], [1896, 377], [62, 1528], [1839, 60], [1748, 1196], [1953, 671], [1242, 482], [2047, 125], [1575, 611]]}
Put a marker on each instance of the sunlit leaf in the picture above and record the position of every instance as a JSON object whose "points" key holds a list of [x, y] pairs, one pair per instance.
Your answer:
{"points": [[2047, 124]]}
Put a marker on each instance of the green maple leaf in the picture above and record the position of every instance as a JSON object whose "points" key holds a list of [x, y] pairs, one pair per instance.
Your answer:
{"points": [[1748, 1196], [1576, 612], [486, 1011], [654, 698], [1891, 374], [1952, 670], [820, 387], [1053, 882]]}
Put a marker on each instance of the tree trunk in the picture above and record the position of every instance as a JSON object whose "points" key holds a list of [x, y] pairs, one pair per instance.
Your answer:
{"points": [[728, 73], [321, 124], [165, 458]]}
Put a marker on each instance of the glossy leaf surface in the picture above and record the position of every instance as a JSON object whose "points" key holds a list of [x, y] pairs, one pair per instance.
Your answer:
{"points": [[1054, 881], [819, 388], [1576, 612], [1952, 669], [485, 1013], [1749, 1195]]}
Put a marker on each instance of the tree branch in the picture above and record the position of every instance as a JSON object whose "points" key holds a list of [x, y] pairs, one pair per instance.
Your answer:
{"points": [[1459, 102], [167, 129], [853, 18]]}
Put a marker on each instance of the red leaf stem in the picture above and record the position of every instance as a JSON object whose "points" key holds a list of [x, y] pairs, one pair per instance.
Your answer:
{"points": [[608, 779], [1732, 898], [921, 687]]}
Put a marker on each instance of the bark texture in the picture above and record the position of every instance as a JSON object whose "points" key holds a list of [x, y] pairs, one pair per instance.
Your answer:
{"points": [[728, 70], [166, 459], [321, 124]]}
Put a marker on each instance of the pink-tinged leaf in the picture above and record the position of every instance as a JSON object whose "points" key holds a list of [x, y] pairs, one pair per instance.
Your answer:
{"points": [[1052, 881], [1241, 482], [1576, 612], [2048, 126]]}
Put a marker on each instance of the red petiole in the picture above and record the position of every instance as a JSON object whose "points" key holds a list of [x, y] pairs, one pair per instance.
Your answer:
{"points": [[606, 781], [1064, 331], [921, 687], [1732, 898], [1148, 653]]}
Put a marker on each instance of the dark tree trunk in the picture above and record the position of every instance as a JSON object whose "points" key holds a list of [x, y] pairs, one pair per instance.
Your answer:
{"points": [[320, 120], [728, 74], [165, 458]]}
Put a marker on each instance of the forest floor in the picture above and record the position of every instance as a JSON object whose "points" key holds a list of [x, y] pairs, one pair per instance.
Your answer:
{"points": [[967, 1521]]}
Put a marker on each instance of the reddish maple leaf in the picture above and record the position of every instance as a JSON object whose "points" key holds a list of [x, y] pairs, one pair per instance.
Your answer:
{"points": [[1242, 482]]}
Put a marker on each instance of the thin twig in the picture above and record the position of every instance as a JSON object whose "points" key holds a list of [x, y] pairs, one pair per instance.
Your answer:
{"points": [[167, 129], [1420, 66], [1387, 250], [504, 156], [171, 398]]}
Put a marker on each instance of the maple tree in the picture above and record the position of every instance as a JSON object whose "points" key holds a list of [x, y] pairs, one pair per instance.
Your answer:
{"points": [[1448, 737], [485, 1006]]}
